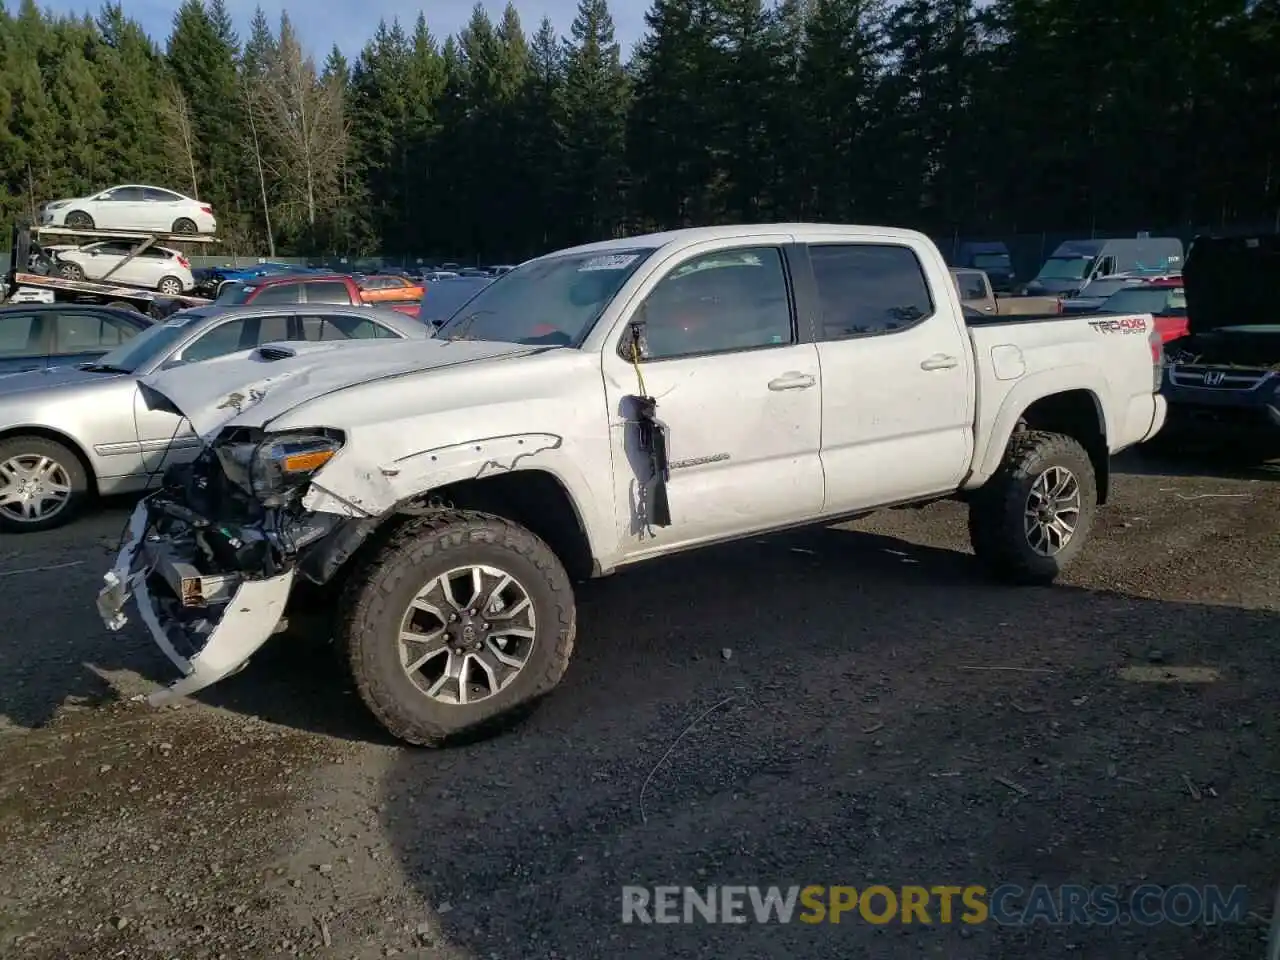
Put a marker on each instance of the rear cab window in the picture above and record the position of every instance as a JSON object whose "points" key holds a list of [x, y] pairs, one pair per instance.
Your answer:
{"points": [[866, 289], [971, 285]]}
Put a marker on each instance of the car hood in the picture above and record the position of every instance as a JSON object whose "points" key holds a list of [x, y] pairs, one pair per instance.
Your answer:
{"points": [[1232, 282], [251, 388], [48, 379]]}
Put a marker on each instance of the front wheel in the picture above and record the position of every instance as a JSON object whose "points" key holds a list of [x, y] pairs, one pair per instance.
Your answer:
{"points": [[71, 271], [42, 484], [460, 619], [1032, 518]]}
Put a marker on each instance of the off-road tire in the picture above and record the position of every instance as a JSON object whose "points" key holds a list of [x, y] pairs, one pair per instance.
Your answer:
{"points": [[173, 284], [79, 220], [71, 465], [377, 594], [996, 512], [185, 226], [70, 271]]}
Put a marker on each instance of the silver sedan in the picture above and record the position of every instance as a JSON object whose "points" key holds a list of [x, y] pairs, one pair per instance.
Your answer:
{"points": [[70, 433]]}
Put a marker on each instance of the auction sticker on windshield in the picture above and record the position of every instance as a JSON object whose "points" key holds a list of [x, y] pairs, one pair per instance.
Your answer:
{"points": [[616, 261]]}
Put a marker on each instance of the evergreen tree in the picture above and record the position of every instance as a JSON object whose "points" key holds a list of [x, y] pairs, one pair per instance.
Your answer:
{"points": [[591, 117]]}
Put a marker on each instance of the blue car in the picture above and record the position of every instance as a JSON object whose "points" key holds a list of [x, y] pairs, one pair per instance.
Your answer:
{"points": [[40, 336]]}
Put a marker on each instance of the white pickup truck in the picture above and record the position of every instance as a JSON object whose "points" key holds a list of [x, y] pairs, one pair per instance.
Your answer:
{"points": [[597, 407]]}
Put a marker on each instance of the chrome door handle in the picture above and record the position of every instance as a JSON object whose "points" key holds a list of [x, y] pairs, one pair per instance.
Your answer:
{"points": [[939, 361], [792, 381]]}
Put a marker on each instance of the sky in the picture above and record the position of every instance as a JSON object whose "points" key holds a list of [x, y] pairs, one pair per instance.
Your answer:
{"points": [[322, 23]]}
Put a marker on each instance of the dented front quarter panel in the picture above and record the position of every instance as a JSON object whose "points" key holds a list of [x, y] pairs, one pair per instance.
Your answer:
{"points": [[409, 436]]}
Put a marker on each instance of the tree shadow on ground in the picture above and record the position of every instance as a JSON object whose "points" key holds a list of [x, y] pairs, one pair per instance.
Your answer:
{"points": [[878, 714]]}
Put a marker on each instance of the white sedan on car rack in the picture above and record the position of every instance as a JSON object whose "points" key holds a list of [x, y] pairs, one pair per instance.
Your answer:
{"points": [[131, 207]]}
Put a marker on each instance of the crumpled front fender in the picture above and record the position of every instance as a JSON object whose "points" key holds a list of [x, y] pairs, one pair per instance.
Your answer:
{"points": [[247, 621]]}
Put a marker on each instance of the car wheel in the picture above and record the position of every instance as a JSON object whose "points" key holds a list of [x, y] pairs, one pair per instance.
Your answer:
{"points": [[185, 225], [70, 271], [43, 484], [460, 619], [170, 286], [79, 220], [1032, 518], [124, 305]]}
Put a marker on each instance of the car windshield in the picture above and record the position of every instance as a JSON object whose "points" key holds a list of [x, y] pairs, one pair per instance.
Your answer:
{"points": [[1165, 301], [991, 261], [153, 343], [1065, 268], [235, 293], [554, 301]]}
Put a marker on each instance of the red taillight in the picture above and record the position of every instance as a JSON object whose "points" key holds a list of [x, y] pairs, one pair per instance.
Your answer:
{"points": [[207, 209], [183, 261], [1157, 358], [1058, 304]]}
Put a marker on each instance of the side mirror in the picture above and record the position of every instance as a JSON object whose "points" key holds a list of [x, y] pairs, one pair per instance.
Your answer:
{"points": [[633, 345]]}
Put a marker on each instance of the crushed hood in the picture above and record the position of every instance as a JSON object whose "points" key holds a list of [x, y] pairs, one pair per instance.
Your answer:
{"points": [[1232, 282], [254, 387]]}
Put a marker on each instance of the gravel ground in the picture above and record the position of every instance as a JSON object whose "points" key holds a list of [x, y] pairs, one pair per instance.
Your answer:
{"points": [[853, 705]]}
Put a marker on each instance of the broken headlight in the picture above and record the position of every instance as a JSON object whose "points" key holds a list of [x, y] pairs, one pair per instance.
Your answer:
{"points": [[275, 467]]}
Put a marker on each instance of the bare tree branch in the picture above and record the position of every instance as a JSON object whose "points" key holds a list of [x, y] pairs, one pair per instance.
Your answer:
{"points": [[179, 135]]}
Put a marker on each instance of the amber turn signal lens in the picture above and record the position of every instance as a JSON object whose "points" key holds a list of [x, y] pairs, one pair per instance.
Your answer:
{"points": [[304, 462]]}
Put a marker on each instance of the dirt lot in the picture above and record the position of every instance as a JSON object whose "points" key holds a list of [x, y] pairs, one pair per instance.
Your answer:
{"points": [[878, 713]]}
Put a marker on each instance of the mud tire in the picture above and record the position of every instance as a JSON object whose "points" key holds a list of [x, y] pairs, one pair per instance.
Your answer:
{"points": [[996, 525], [379, 589]]}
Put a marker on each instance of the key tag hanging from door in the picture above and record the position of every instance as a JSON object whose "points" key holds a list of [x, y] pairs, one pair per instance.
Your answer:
{"points": [[653, 434]]}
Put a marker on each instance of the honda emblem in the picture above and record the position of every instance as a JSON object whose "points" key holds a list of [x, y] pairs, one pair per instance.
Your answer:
{"points": [[1213, 378]]}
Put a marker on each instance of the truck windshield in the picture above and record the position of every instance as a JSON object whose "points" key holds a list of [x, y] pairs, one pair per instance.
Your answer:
{"points": [[1065, 268], [554, 301], [991, 261]]}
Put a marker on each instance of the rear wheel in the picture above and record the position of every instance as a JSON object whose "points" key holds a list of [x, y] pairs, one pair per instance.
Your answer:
{"points": [[1032, 518], [170, 286], [43, 484], [79, 220], [185, 225], [124, 305], [459, 620], [70, 271]]}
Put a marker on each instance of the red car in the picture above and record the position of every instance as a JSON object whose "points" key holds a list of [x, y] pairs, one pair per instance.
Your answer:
{"points": [[309, 288], [1162, 297]]}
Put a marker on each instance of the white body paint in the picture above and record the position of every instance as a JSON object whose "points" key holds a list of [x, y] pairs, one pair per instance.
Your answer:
{"points": [[759, 439], [910, 415]]}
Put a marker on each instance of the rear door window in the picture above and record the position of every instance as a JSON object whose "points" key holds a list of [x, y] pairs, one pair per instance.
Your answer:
{"points": [[85, 332], [341, 327], [20, 335], [867, 289]]}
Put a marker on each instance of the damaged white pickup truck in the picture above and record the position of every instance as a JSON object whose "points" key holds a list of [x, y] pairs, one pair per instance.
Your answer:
{"points": [[597, 407]]}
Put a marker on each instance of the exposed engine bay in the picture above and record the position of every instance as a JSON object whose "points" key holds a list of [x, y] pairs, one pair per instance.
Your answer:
{"points": [[1246, 348], [211, 557]]}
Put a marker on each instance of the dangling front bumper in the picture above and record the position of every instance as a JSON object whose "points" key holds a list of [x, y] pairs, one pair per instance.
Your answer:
{"points": [[208, 625]]}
